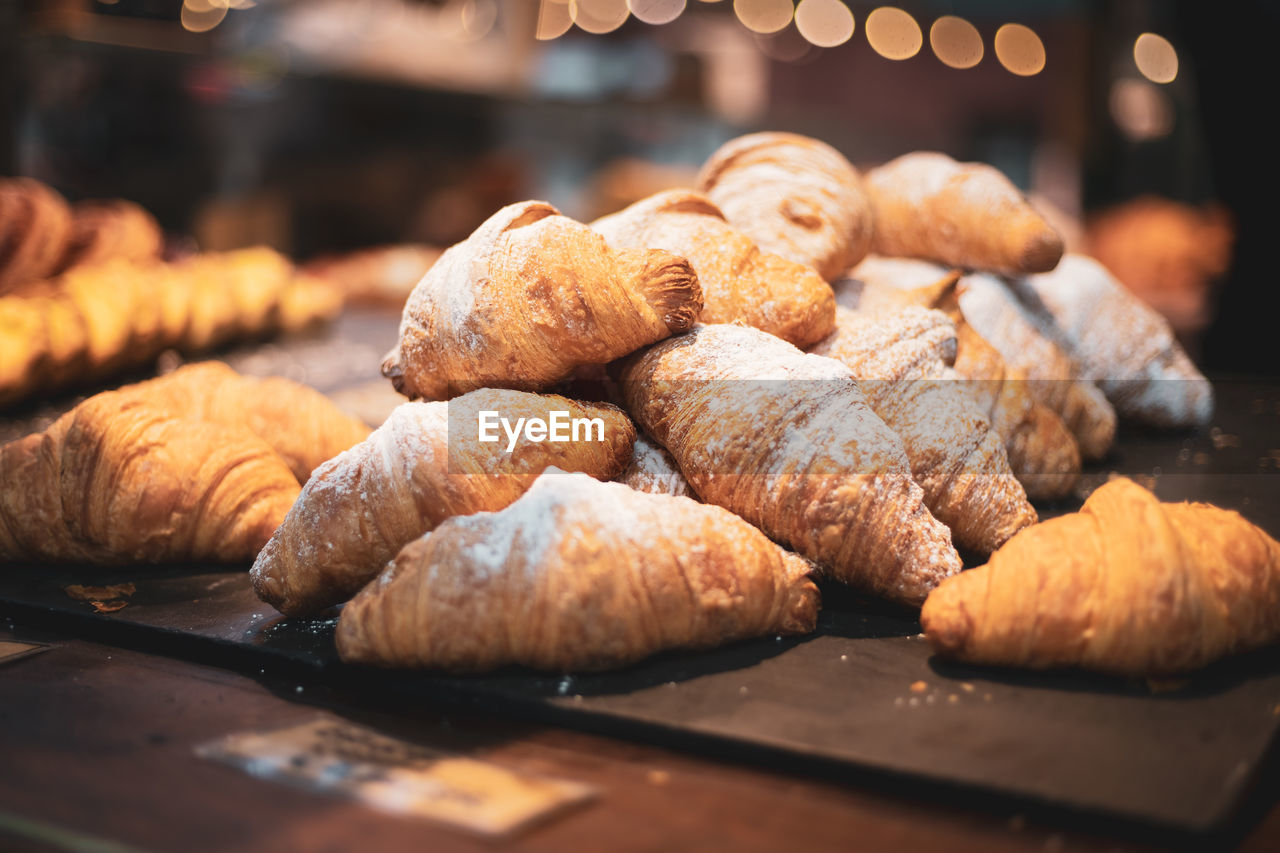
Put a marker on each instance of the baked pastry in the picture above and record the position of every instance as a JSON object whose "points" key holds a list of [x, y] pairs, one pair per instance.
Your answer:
{"points": [[902, 363], [35, 225], [652, 470], [1041, 450], [527, 298], [1128, 585], [381, 275], [1126, 348], [740, 283], [1032, 344], [96, 320], [302, 425], [787, 441], [110, 229], [119, 480], [577, 575], [966, 215], [427, 462], [795, 196]]}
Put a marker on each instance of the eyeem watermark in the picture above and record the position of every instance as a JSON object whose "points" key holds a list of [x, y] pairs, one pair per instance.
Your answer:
{"points": [[559, 427]]}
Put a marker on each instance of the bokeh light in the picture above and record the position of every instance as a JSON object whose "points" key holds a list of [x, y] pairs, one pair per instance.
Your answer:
{"points": [[956, 42], [657, 11], [1141, 111], [200, 16], [893, 33], [1155, 58], [763, 16], [599, 16], [1019, 50], [824, 23], [554, 19]]}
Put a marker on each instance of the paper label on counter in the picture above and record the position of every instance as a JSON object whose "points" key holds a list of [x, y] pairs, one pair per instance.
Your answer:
{"points": [[11, 650], [399, 777]]}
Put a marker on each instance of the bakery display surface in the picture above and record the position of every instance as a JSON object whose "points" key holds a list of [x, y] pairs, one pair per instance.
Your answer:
{"points": [[864, 693]]}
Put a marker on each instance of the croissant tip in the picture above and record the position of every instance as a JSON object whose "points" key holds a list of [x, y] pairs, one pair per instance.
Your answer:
{"points": [[1042, 251]]}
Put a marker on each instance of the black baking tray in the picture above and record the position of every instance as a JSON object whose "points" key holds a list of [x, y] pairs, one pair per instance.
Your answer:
{"points": [[863, 691]]}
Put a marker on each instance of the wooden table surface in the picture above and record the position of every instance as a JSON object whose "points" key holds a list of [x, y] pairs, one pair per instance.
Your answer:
{"points": [[97, 753]]}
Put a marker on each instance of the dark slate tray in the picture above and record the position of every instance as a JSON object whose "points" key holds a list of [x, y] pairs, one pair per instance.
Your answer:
{"points": [[1177, 758]]}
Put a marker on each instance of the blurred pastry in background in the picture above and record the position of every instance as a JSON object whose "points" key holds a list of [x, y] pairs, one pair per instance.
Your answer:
{"points": [[381, 275], [112, 228], [1169, 253], [626, 180]]}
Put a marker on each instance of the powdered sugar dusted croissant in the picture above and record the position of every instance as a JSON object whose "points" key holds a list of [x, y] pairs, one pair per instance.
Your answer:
{"points": [[527, 298], [740, 283], [427, 462], [902, 363], [577, 575], [787, 441], [795, 196], [1124, 346]]}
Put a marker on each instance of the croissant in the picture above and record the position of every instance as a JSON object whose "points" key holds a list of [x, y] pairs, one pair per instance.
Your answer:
{"points": [[1128, 585], [108, 229], [527, 298], [95, 320], [739, 282], [901, 361], [1042, 453], [786, 440], [427, 462], [961, 214], [119, 480], [1032, 344], [577, 575], [652, 470], [1125, 347], [795, 196], [299, 423], [35, 225], [380, 276]]}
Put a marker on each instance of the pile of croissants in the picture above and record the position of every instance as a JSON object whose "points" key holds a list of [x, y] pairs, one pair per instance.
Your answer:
{"points": [[775, 363]]}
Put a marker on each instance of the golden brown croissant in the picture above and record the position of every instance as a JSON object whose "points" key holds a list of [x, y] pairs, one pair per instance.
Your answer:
{"points": [[1042, 453], [577, 575], [740, 283], [118, 480], [35, 225], [527, 298], [109, 229], [652, 470], [902, 363], [94, 320], [795, 196], [1122, 345], [1128, 585], [302, 425], [786, 440], [425, 464], [961, 214], [1032, 345]]}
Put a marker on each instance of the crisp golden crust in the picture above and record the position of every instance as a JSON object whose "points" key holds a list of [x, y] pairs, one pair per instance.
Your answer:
{"points": [[653, 470], [1128, 585], [795, 196], [577, 575], [424, 465], [740, 283], [965, 215], [119, 480], [901, 361], [786, 440], [527, 298]]}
